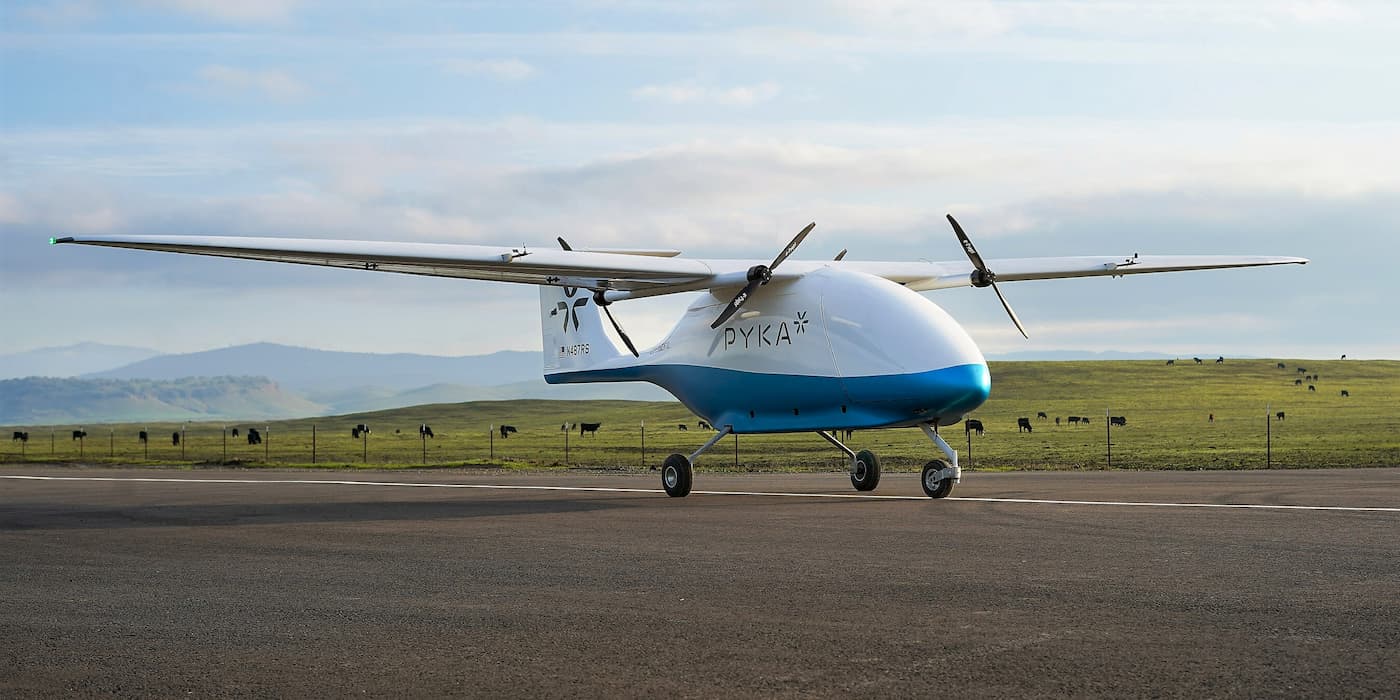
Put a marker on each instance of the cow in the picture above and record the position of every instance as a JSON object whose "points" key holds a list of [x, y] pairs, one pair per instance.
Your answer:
{"points": [[79, 434], [359, 430], [972, 424], [1074, 420], [1308, 377], [506, 430], [1344, 357], [563, 427], [1312, 387], [254, 437], [426, 431], [1171, 362], [1084, 420], [1317, 377], [1280, 415], [1346, 393], [235, 432], [1211, 419], [1197, 359], [1220, 360], [1118, 420], [1297, 382], [175, 438], [586, 428], [1057, 420], [1302, 370], [1041, 415], [704, 426], [1282, 366], [682, 426], [22, 436], [1024, 425]]}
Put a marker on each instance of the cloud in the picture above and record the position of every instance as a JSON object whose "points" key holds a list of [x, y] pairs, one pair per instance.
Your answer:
{"points": [[689, 93], [273, 83], [233, 10], [503, 69]]}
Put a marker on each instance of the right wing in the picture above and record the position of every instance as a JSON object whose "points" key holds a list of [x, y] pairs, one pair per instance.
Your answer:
{"points": [[644, 272]]}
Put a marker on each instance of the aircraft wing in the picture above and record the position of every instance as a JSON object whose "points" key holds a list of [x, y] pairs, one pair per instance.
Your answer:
{"points": [[959, 273], [642, 272]]}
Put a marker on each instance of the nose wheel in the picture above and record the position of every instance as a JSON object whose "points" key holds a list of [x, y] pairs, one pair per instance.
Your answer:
{"points": [[937, 479]]}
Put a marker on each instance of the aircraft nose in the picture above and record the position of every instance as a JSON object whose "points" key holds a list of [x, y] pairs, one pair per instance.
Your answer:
{"points": [[969, 389]]}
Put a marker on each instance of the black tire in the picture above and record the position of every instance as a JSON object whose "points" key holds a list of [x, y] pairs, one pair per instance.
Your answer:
{"points": [[865, 473], [676, 476], [933, 486]]}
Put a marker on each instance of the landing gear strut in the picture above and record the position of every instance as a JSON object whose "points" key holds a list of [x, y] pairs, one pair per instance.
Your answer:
{"points": [[676, 472], [940, 476], [865, 467]]}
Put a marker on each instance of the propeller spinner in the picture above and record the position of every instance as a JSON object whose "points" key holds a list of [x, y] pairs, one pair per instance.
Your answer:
{"points": [[982, 276], [759, 275]]}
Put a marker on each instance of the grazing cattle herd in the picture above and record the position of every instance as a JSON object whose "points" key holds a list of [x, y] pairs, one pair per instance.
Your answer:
{"points": [[1301, 376]]}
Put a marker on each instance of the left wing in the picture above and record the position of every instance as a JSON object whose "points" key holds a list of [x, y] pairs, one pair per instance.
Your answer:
{"points": [[943, 275]]}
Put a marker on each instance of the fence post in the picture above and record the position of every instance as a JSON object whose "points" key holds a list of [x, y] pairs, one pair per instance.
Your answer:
{"points": [[1268, 439], [313, 443], [224, 429], [644, 444], [1108, 430]]}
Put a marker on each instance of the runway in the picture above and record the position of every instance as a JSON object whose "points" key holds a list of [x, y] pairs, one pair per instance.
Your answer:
{"points": [[241, 582]]}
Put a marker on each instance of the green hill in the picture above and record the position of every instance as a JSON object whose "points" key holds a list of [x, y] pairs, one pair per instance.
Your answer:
{"points": [[1167, 408]]}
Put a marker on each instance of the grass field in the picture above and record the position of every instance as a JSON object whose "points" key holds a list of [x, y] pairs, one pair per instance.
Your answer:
{"points": [[1166, 407]]}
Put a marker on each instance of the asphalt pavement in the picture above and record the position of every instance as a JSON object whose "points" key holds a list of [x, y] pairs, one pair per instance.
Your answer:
{"points": [[227, 582]]}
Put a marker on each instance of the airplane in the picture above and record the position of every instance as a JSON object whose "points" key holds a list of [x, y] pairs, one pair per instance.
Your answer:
{"points": [[768, 347]]}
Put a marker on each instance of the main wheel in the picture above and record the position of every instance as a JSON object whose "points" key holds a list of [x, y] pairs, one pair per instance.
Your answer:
{"points": [[934, 486], [865, 473], [675, 476]]}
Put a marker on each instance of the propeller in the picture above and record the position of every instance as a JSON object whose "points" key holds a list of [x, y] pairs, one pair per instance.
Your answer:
{"points": [[839, 255], [759, 275], [981, 276], [603, 303]]}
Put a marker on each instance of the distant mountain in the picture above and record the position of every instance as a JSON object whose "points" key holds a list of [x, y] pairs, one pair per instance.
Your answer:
{"points": [[51, 400], [305, 369], [70, 360]]}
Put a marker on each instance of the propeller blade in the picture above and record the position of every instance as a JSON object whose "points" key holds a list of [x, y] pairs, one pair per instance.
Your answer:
{"points": [[839, 255], [603, 303], [984, 277], [623, 334], [1009, 312], [796, 241], [738, 301], [967, 245]]}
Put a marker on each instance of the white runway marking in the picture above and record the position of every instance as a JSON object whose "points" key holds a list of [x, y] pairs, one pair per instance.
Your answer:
{"points": [[771, 494]]}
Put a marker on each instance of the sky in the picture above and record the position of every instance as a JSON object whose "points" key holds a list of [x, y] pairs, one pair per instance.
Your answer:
{"points": [[1065, 127]]}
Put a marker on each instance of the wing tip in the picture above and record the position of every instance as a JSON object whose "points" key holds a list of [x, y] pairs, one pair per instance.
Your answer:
{"points": [[61, 239]]}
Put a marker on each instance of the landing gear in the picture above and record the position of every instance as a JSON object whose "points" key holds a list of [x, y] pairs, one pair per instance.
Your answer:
{"points": [[676, 472], [939, 476], [865, 471], [865, 467], [937, 479], [676, 476]]}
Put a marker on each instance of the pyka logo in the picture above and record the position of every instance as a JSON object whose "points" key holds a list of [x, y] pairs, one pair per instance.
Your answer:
{"points": [[570, 312], [759, 335]]}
